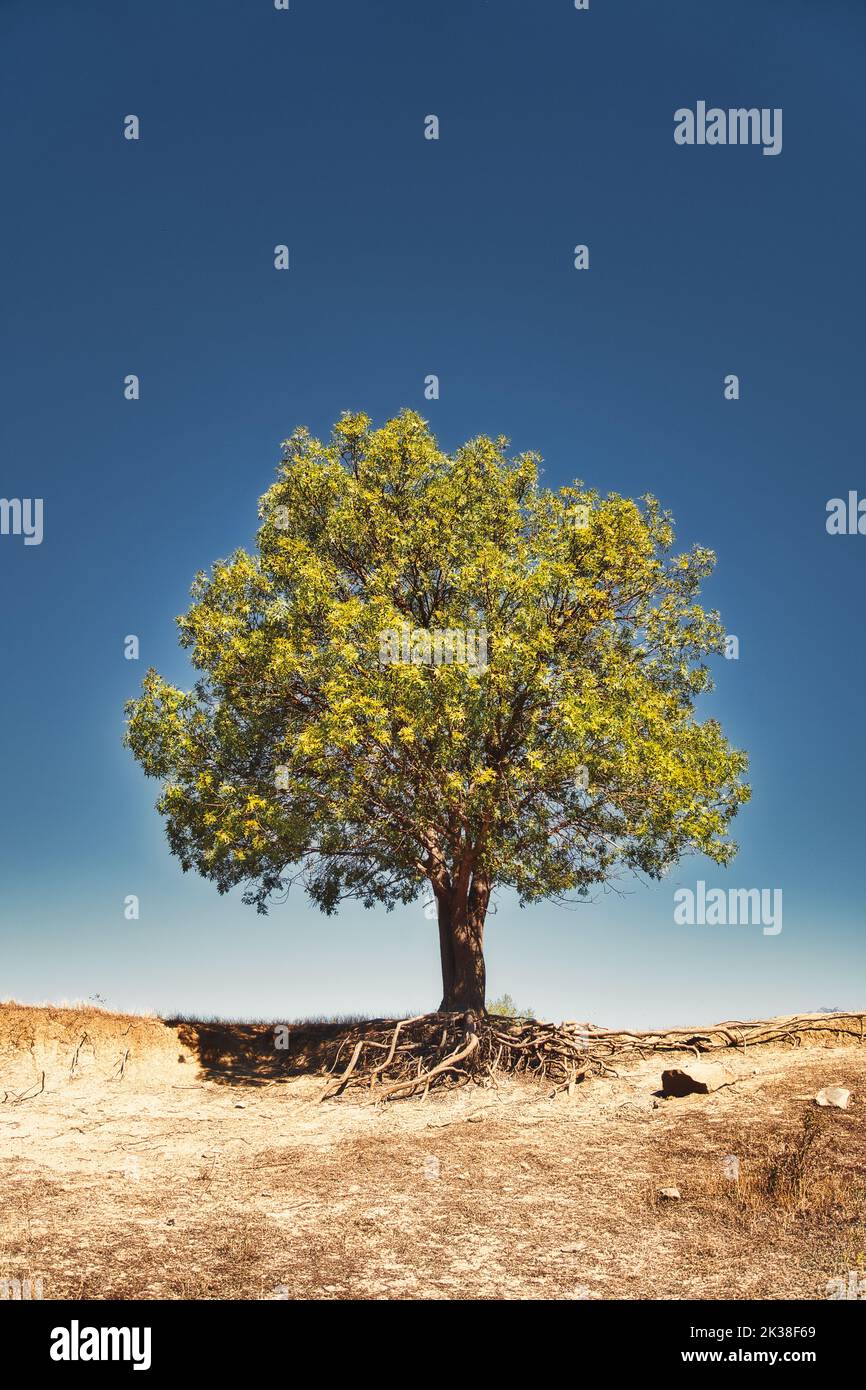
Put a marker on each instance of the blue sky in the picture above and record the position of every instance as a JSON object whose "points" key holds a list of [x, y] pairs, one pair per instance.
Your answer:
{"points": [[411, 257]]}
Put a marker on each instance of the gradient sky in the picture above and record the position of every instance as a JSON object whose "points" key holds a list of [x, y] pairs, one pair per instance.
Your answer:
{"points": [[411, 257]]}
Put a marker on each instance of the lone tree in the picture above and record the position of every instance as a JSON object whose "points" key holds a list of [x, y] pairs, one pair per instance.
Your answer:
{"points": [[435, 675]]}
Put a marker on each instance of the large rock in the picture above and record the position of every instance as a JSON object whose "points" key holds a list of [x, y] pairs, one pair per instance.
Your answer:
{"points": [[836, 1096], [695, 1077]]}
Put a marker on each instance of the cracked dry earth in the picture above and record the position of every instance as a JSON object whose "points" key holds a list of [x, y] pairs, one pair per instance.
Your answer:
{"points": [[134, 1174]]}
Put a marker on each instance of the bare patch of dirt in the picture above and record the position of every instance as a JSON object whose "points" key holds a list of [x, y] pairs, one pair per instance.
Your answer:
{"points": [[147, 1159]]}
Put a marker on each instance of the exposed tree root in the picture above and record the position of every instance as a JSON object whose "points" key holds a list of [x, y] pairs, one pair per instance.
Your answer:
{"points": [[442, 1049]]}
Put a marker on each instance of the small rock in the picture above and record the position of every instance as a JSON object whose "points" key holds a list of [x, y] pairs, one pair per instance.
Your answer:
{"points": [[240, 1105], [574, 1249], [691, 1077], [474, 1119], [836, 1096], [670, 1194]]}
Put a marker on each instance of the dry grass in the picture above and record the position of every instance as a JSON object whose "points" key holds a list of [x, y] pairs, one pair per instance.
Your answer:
{"points": [[802, 1175], [811, 1176], [222, 1177]]}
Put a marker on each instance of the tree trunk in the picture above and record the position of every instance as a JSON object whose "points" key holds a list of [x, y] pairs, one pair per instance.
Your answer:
{"points": [[461, 948]]}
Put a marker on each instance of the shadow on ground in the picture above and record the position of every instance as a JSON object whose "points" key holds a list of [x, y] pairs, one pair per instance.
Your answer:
{"points": [[260, 1053]]}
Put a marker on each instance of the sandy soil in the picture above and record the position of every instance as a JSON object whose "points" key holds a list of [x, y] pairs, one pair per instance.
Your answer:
{"points": [[140, 1159]]}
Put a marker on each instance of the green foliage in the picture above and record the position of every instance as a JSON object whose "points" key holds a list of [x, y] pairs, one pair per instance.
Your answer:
{"points": [[506, 1008], [298, 755]]}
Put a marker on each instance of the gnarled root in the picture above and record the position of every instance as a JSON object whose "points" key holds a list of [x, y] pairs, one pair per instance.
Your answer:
{"points": [[397, 1058]]}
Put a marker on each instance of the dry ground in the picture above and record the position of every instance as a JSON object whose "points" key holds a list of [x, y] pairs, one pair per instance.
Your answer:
{"points": [[190, 1160]]}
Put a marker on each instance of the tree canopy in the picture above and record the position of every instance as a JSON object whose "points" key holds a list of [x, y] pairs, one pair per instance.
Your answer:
{"points": [[330, 741]]}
